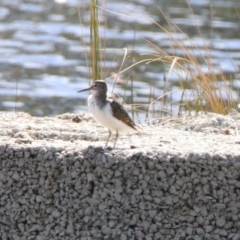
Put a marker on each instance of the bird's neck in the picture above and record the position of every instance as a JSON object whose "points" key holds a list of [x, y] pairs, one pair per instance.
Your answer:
{"points": [[100, 99]]}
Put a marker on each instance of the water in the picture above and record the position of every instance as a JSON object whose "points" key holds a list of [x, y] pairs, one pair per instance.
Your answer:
{"points": [[43, 50]]}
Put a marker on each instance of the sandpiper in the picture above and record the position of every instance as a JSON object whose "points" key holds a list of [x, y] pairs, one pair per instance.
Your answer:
{"points": [[108, 112]]}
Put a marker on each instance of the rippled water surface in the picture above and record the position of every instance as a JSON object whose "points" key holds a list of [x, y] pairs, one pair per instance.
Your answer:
{"points": [[44, 49]]}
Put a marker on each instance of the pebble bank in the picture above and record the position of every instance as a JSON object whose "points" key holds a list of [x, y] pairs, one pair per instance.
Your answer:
{"points": [[177, 180]]}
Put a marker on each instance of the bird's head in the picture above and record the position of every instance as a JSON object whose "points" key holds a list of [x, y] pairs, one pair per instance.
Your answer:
{"points": [[98, 87]]}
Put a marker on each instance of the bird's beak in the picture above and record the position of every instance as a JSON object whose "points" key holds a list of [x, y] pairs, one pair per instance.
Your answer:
{"points": [[86, 89]]}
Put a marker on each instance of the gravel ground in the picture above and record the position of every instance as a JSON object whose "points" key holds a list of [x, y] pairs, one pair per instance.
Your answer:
{"points": [[176, 180]]}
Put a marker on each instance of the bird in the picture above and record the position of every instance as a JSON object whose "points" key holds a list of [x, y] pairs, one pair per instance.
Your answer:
{"points": [[108, 111]]}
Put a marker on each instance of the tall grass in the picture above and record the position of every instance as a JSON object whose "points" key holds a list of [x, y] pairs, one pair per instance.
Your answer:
{"points": [[211, 91], [95, 41]]}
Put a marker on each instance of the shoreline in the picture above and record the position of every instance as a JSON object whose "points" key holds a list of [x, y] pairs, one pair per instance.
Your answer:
{"points": [[207, 133]]}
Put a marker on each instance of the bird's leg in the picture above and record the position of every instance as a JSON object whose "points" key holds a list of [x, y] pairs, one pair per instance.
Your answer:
{"points": [[115, 139], [109, 135]]}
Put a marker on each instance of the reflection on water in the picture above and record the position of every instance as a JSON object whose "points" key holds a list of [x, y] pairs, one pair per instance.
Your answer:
{"points": [[43, 49]]}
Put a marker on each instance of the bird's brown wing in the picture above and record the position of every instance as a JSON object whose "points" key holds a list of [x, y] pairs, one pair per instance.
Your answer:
{"points": [[120, 113]]}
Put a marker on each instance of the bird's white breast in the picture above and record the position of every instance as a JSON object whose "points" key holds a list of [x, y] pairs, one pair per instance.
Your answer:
{"points": [[105, 117]]}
